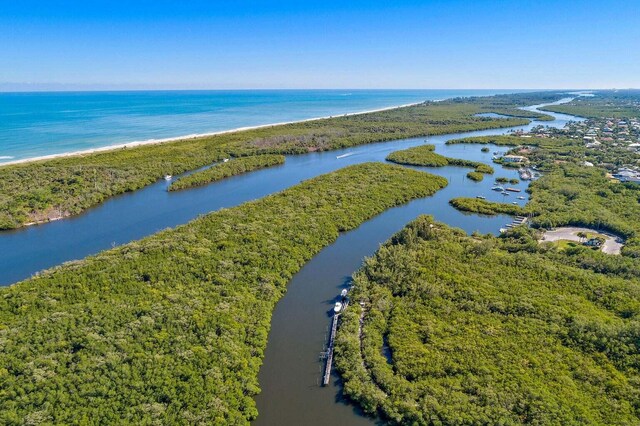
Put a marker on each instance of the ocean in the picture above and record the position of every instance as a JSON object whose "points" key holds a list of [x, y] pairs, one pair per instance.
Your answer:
{"points": [[44, 123]]}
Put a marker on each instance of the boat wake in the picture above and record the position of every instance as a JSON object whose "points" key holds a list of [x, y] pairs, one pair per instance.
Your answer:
{"points": [[345, 155]]}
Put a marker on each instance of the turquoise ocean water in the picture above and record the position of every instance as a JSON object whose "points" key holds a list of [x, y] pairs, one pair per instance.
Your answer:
{"points": [[36, 124]]}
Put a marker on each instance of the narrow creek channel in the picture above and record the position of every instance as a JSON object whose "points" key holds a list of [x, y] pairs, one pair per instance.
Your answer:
{"points": [[291, 373]]}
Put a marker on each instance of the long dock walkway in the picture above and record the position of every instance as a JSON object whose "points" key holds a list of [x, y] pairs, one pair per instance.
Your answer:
{"points": [[332, 336]]}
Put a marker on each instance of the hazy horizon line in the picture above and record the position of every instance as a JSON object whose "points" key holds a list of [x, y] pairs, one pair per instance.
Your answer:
{"points": [[136, 88]]}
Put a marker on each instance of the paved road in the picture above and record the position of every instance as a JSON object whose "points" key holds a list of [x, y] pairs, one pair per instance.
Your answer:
{"points": [[612, 245]]}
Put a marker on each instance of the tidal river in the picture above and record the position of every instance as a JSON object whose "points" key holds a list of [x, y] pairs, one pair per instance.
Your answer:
{"points": [[135, 215], [292, 371], [290, 375]]}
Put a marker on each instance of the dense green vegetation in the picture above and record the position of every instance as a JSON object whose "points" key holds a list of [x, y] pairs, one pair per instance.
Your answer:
{"points": [[461, 330], [475, 205], [501, 140], [484, 330], [424, 155], [48, 189], [508, 104], [583, 196], [476, 176], [570, 193], [545, 152], [171, 329], [597, 261], [503, 179], [613, 104], [230, 168]]}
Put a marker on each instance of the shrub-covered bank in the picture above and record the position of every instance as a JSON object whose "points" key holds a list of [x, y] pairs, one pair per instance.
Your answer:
{"points": [[49, 189], [485, 330], [424, 155], [171, 329], [232, 167], [584, 196], [474, 205]]}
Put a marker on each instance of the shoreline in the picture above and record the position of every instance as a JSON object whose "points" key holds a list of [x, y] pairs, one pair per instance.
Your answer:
{"points": [[134, 144]]}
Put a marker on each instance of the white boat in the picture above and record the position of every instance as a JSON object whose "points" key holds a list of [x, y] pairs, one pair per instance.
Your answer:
{"points": [[168, 177], [224, 160], [515, 203], [480, 197], [505, 193], [344, 155], [497, 188], [337, 308], [521, 198], [343, 293]]}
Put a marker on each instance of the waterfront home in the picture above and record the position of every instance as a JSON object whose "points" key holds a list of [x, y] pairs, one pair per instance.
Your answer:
{"points": [[627, 175]]}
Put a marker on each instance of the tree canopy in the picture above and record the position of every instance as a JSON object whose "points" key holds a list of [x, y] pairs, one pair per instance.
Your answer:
{"points": [[463, 330], [171, 329]]}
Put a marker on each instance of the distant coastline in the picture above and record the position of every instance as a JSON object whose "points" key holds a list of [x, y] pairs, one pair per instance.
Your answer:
{"points": [[191, 136], [46, 124]]}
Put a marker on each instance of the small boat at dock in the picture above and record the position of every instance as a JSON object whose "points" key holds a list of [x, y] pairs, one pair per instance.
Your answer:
{"points": [[168, 177], [480, 197], [337, 308], [521, 198], [343, 293], [224, 160]]}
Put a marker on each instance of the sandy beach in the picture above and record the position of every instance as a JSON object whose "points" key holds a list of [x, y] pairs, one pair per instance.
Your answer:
{"points": [[187, 137]]}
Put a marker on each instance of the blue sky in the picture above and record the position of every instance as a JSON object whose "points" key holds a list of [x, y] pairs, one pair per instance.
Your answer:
{"points": [[318, 44]]}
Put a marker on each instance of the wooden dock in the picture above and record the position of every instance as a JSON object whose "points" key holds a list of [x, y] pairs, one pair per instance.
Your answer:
{"points": [[332, 336], [519, 220]]}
